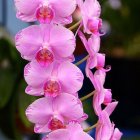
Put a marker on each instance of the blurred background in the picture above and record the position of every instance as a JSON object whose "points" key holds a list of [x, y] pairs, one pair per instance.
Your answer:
{"points": [[122, 47]]}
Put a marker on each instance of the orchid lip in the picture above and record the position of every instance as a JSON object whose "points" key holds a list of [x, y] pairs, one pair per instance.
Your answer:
{"points": [[44, 14], [55, 124], [52, 88], [44, 57]]}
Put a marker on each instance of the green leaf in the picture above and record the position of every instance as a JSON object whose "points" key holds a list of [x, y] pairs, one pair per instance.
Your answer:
{"points": [[87, 104], [7, 78], [24, 101]]}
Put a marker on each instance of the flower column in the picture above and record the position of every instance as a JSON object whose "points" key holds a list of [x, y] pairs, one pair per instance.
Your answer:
{"points": [[50, 73]]}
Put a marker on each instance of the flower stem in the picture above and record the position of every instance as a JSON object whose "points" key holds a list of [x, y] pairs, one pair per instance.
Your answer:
{"points": [[90, 128], [81, 61], [75, 25], [87, 96]]}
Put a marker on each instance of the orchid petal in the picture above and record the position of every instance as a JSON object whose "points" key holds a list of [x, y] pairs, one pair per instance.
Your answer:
{"points": [[70, 77], [35, 75], [63, 46]]}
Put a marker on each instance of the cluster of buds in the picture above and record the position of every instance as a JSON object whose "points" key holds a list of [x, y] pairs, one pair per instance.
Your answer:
{"points": [[51, 74]]}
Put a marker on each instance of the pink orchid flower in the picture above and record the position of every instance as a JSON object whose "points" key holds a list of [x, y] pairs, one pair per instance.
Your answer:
{"points": [[92, 46], [102, 95], [73, 131], [90, 12], [50, 114], [99, 100], [43, 43], [46, 11], [53, 80], [105, 129]]}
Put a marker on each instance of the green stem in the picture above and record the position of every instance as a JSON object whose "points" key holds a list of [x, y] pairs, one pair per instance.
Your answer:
{"points": [[90, 128], [87, 96], [75, 25], [81, 61]]}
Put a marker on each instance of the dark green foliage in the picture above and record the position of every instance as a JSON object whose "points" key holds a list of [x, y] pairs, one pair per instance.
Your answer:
{"points": [[125, 27], [13, 100]]}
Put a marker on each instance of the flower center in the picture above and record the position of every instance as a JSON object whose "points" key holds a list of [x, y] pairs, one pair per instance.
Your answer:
{"points": [[94, 25], [56, 124], [51, 88], [44, 14], [44, 57]]}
